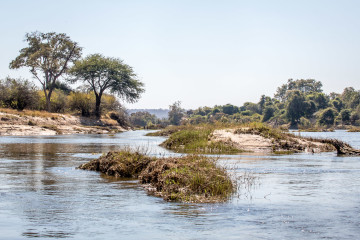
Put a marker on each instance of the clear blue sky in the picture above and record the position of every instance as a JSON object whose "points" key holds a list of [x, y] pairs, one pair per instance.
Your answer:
{"points": [[201, 52]]}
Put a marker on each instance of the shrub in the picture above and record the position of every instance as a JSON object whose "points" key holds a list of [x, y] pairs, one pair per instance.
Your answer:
{"points": [[17, 93], [327, 116], [82, 102]]}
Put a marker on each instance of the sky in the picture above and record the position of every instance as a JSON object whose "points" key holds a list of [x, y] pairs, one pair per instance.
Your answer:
{"points": [[201, 52]]}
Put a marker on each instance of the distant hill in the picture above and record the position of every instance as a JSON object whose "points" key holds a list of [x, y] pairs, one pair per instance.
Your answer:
{"points": [[159, 113]]}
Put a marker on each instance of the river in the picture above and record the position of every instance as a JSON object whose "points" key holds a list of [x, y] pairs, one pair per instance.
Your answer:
{"points": [[300, 196]]}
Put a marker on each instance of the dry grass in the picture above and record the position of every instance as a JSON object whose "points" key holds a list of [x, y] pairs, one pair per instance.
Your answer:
{"points": [[124, 164], [354, 129], [191, 178], [52, 127], [32, 113]]}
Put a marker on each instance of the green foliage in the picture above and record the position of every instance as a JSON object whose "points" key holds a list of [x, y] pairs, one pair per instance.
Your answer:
{"points": [[345, 115], [142, 119], [196, 140], [17, 93], [253, 107], [82, 102], [48, 56], [176, 113], [58, 101], [337, 103], [230, 109], [268, 113], [320, 99], [327, 116], [303, 85], [304, 123], [296, 106], [107, 74]]}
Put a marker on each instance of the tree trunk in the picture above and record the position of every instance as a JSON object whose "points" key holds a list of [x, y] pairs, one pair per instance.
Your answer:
{"points": [[47, 99], [97, 106]]}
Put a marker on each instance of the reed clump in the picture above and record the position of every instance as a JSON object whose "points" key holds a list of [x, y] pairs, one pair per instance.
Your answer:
{"points": [[191, 178]]}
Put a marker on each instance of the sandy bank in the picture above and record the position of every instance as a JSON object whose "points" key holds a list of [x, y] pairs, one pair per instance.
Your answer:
{"points": [[253, 141], [16, 124]]}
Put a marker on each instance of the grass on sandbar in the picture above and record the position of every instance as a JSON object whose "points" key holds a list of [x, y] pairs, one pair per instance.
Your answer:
{"points": [[191, 178]]}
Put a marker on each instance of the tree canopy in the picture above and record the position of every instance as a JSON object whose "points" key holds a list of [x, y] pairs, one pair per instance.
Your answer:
{"points": [[107, 74], [303, 85], [48, 55], [176, 113]]}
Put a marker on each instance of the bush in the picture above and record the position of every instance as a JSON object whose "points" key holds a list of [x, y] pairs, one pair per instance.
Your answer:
{"points": [[268, 113], [142, 119], [345, 115], [17, 93], [82, 102], [120, 116], [304, 123], [58, 101], [327, 117]]}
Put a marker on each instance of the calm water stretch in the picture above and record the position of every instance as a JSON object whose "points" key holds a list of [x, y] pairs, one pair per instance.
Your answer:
{"points": [[301, 196]]}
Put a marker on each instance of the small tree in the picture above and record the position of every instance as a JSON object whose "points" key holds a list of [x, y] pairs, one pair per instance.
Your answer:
{"points": [[296, 106], [230, 109], [103, 73], [345, 116], [48, 56], [176, 113], [268, 113]]}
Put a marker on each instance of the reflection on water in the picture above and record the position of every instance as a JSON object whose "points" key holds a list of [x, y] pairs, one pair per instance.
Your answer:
{"points": [[301, 196]]}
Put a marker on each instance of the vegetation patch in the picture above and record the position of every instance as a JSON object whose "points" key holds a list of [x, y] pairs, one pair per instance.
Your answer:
{"points": [[123, 164], [52, 127], [197, 140], [169, 130], [204, 139], [191, 178], [354, 129]]}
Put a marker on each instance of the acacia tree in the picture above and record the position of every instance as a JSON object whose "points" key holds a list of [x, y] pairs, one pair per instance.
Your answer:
{"points": [[48, 56], [104, 73]]}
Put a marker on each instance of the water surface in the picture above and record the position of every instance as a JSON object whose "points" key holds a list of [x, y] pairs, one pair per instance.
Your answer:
{"points": [[300, 196]]}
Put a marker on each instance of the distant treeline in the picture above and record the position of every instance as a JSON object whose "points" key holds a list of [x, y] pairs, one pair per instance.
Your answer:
{"points": [[298, 104]]}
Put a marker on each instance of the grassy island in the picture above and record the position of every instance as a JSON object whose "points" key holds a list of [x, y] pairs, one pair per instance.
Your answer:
{"points": [[251, 137], [191, 178]]}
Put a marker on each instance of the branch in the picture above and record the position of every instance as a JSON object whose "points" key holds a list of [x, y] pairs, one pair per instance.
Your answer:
{"points": [[66, 62]]}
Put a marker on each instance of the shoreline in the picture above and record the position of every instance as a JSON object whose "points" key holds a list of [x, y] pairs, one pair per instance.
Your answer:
{"points": [[38, 123]]}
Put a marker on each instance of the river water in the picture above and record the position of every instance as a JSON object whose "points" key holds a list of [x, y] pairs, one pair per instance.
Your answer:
{"points": [[300, 196]]}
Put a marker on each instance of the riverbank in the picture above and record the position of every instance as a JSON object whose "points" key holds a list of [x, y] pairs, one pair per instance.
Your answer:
{"points": [[16, 123], [254, 138]]}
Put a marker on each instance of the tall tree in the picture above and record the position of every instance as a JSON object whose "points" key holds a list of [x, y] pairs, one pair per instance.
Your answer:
{"points": [[303, 85], [48, 55], [176, 113], [296, 106], [104, 73]]}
